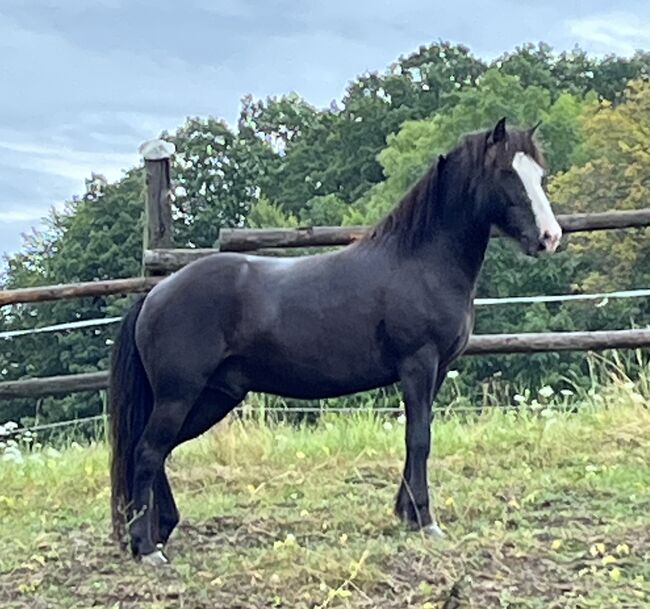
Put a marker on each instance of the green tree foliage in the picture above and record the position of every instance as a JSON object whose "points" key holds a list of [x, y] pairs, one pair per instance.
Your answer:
{"points": [[217, 176], [538, 66], [337, 155], [611, 75], [265, 214], [413, 148], [612, 169], [96, 237], [327, 210]]}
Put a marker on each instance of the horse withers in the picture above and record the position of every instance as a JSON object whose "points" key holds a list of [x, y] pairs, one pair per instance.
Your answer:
{"points": [[396, 306]]}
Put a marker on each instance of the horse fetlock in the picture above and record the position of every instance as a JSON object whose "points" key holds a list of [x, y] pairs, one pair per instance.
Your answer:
{"points": [[415, 515], [141, 547], [164, 532], [141, 543]]}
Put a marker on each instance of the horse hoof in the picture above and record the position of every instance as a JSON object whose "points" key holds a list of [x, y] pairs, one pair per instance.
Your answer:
{"points": [[154, 559], [433, 530]]}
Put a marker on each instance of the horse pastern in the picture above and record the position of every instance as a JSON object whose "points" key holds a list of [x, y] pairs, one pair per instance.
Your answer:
{"points": [[434, 531], [154, 559]]}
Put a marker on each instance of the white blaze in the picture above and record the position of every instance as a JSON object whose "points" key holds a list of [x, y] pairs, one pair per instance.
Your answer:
{"points": [[530, 173]]}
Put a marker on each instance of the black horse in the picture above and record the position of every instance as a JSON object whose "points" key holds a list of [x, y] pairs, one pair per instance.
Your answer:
{"points": [[395, 306]]}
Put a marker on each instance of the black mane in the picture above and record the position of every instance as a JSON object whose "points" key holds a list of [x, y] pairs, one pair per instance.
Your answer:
{"points": [[413, 220], [414, 217]]}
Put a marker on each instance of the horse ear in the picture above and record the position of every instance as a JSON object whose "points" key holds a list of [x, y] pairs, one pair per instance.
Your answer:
{"points": [[440, 164], [534, 128], [499, 132]]}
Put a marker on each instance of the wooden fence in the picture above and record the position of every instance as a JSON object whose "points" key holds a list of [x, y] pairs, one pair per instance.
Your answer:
{"points": [[161, 258], [161, 261], [478, 345]]}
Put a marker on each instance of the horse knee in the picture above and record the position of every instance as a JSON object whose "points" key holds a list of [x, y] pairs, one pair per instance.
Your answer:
{"points": [[418, 445]]}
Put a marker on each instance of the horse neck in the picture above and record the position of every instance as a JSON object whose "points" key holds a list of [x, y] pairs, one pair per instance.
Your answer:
{"points": [[462, 232]]}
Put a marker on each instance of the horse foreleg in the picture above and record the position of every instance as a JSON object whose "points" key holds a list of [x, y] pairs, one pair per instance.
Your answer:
{"points": [[420, 377]]}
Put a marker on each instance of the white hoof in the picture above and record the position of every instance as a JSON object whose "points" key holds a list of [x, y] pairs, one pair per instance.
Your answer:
{"points": [[433, 530], [155, 559]]}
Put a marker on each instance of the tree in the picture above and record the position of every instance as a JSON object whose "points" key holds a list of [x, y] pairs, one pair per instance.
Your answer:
{"points": [[612, 74], [278, 121], [612, 171], [573, 71], [265, 214], [412, 149], [323, 211], [334, 151], [98, 236], [216, 177], [538, 66]]}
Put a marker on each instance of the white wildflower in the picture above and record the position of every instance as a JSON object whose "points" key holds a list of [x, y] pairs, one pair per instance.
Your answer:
{"points": [[52, 452], [13, 454], [546, 391]]}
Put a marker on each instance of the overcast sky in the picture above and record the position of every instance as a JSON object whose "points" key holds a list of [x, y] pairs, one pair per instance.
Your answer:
{"points": [[84, 82]]}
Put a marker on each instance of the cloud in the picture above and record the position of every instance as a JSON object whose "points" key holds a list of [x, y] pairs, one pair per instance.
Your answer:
{"points": [[22, 215], [621, 33], [65, 162]]}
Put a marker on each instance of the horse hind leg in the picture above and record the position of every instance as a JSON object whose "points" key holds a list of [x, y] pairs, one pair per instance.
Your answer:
{"points": [[168, 515], [157, 441], [211, 407]]}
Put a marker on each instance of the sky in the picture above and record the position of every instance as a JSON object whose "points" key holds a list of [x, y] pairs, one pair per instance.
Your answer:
{"points": [[84, 83]]}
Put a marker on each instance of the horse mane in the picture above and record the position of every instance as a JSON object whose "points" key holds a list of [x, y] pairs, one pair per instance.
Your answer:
{"points": [[414, 219]]}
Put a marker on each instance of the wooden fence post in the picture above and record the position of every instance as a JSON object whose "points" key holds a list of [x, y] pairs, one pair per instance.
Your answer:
{"points": [[158, 229]]}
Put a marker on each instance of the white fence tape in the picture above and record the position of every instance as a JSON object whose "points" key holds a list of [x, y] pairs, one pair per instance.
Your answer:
{"points": [[603, 297]]}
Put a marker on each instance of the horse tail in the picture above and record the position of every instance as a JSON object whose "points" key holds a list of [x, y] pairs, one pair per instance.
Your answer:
{"points": [[130, 402]]}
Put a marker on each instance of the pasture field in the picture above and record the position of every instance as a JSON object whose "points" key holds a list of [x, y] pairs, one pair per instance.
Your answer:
{"points": [[543, 509]]}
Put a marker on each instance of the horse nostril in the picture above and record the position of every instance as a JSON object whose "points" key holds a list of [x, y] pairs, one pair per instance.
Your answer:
{"points": [[548, 241], [545, 242]]}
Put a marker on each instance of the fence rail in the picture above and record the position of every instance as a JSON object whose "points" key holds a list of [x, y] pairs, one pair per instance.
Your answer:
{"points": [[481, 344], [78, 290], [53, 385], [603, 297], [166, 260], [268, 239], [246, 239]]}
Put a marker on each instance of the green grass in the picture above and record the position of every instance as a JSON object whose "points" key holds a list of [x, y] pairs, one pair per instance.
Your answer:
{"points": [[547, 510]]}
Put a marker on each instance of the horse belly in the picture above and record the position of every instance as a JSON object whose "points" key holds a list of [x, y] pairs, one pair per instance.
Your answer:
{"points": [[331, 375]]}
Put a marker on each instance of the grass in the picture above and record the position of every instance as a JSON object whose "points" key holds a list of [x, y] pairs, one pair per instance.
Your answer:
{"points": [[547, 510]]}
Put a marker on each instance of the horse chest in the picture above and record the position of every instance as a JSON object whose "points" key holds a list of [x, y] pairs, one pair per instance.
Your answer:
{"points": [[409, 328], [459, 343]]}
